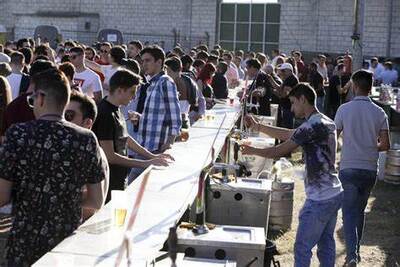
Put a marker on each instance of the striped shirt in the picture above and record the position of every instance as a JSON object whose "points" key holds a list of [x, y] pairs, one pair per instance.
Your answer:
{"points": [[161, 116]]}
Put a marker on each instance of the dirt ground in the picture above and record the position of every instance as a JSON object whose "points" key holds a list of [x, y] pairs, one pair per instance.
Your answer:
{"points": [[381, 240]]}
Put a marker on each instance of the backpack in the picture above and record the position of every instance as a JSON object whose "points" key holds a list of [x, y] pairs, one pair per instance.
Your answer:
{"points": [[192, 90]]}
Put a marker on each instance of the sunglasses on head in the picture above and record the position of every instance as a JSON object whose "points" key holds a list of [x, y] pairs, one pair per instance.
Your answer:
{"points": [[69, 115], [31, 98]]}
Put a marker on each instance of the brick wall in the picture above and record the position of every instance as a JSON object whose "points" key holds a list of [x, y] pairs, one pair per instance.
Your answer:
{"points": [[326, 26], [148, 20], [309, 25]]}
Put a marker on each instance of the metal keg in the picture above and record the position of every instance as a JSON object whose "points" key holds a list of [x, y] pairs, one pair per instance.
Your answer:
{"points": [[281, 208], [392, 171]]}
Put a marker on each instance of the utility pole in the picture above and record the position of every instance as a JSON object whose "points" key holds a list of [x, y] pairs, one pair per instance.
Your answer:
{"points": [[357, 37]]}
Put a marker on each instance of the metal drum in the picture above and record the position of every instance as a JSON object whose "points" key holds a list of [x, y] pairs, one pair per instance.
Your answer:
{"points": [[281, 208], [392, 171]]}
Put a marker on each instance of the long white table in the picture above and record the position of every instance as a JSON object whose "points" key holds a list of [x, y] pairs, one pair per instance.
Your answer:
{"points": [[168, 194]]}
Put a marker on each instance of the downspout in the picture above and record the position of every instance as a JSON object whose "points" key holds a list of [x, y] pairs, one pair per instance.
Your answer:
{"points": [[389, 29]]}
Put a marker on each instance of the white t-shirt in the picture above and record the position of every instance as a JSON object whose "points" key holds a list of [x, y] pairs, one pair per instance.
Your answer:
{"points": [[108, 71], [15, 82], [89, 81]]}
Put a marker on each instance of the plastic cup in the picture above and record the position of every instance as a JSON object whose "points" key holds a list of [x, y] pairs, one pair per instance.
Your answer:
{"points": [[119, 200]]}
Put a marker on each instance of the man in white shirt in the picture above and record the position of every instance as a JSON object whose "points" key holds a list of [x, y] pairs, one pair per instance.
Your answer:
{"points": [[88, 80], [232, 74], [17, 64], [389, 75], [376, 68]]}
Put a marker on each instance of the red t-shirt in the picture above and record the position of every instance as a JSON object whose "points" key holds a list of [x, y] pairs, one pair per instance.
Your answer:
{"points": [[16, 112], [301, 68]]}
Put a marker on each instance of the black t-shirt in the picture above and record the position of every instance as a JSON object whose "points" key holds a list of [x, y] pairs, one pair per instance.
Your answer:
{"points": [[220, 86], [110, 125], [334, 81], [317, 82], [291, 82], [48, 162]]}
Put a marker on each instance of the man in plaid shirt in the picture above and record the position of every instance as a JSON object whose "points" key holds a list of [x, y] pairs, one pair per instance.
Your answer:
{"points": [[157, 118]]}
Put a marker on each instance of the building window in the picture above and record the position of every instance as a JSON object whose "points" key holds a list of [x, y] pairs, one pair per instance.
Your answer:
{"points": [[245, 25]]}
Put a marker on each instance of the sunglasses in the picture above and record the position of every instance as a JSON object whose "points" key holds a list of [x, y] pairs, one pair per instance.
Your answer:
{"points": [[104, 51], [69, 115], [31, 98]]}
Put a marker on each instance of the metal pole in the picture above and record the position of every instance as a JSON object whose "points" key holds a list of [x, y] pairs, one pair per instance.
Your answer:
{"points": [[358, 29], [389, 28]]}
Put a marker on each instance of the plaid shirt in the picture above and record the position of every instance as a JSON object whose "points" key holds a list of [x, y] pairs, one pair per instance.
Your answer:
{"points": [[161, 116]]}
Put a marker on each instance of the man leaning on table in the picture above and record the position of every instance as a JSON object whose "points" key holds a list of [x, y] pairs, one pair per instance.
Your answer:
{"points": [[317, 137]]}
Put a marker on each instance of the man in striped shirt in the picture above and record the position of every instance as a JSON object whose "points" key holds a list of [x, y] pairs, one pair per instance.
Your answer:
{"points": [[157, 104]]}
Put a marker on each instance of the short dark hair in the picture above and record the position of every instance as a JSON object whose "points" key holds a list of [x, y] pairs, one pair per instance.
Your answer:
{"points": [[340, 66], [255, 63], [137, 43], [223, 67], [118, 54], [374, 59], [87, 105], [228, 55], [303, 89], [178, 50], [68, 69], [155, 51], [21, 42], [70, 43], [77, 49], [203, 48], [41, 65], [56, 86], [186, 59], [17, 58], [203, 55], [123, 79], [174, 63], [5, 69], [297, 53], [106, 44], [389, 64], [198, 63], [363, 79], [41, 50], [27, 52], [132, 65]]}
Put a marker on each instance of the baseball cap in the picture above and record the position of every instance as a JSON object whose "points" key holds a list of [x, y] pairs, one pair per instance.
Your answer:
{"points": [[285, 66]]}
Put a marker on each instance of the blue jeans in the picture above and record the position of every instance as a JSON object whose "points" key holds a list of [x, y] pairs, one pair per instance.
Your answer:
{"points": [[321, 104], [357, 185], [317, 221]]}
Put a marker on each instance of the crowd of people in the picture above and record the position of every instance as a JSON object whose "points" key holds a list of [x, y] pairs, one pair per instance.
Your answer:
{"points": [[79, 121]]}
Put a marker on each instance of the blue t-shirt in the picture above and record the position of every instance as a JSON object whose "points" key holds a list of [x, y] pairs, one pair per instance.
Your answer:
{"points": [[317, 137]]}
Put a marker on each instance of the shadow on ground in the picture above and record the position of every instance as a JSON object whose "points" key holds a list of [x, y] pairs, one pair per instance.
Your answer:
{"points": [[382, 226]]}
